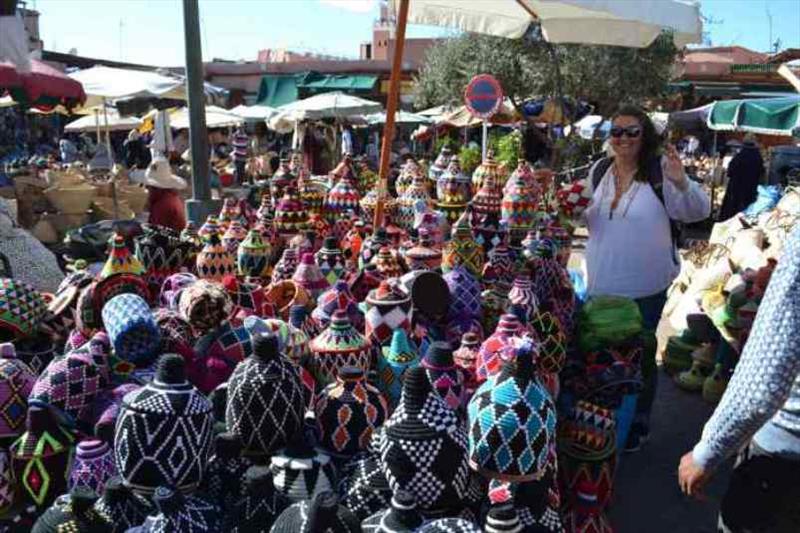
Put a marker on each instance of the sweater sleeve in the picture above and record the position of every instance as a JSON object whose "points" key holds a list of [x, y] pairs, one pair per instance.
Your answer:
{"points": [[691, 205], [767, 369]]}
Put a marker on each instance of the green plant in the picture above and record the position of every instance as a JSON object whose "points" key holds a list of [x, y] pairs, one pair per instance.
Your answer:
{"points": [[443, 141], [507, 148], [469, 158]]}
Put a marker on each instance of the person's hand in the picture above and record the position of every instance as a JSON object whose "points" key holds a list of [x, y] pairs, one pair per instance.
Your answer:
{"points": [[674, 168], [692, 477]]}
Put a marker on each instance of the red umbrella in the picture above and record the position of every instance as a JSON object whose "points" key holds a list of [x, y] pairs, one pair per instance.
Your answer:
{"points": [[8, 77], [44, 87]]}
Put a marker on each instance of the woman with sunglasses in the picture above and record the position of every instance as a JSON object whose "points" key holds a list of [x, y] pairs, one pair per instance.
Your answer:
{"points": [[636, 195]]}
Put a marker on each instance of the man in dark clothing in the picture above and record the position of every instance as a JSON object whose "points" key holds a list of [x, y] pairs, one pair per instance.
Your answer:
{"points": [[744, 174]]}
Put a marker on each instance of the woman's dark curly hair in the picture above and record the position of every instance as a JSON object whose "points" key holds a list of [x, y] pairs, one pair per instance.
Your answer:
{"points": [[651, 140]]}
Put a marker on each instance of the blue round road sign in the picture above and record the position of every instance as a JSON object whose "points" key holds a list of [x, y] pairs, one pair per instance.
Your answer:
{"points": [[483, 96]]}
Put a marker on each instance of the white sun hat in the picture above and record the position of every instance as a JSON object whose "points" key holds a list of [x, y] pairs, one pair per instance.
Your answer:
{"points": [[160, 176]]}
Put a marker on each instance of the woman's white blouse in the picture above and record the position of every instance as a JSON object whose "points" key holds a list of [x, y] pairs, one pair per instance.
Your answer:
{"points": [[630, 253]]}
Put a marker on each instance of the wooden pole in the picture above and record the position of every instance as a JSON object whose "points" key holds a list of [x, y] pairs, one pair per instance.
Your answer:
{"points": [[391, 110]]}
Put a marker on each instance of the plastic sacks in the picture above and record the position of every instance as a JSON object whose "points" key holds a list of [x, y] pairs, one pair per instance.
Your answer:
{"points": [[607, 321], [766, 199]]}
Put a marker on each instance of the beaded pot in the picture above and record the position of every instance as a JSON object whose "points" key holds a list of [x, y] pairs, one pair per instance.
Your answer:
{"points": [[323, 514], [440, 164], [552, 343], [162, 253], [265, 399], [22, 308], [16, 383], [549, 277], [423, 255], [397, 359], [300, 472], [423, 447], [312, 194], [234, 236], [286, 265], [125, 508], [205, 305], [405, 212], [347, 412], [587, 461], [386, 263], [210, 227], [466, 358], [364, 281], [497, 347], [371, 246], [337, 298], [291, 216], [406, 176], [93, 467], [187, 514], [338, 346], [520, 200], [309, 276], [462, 249], [401, 516], [222, 482], [498, 272], [283, 295], [166, 422], [71, 512], [487, 173], [523, 298], [465, 294], [330, 259], [489, 231], [215, 261], [72, 383], [280, 181], [342, 197], [191, 238], [365, 490], [229, 213], [387, 308], [512, 421], [446, 378], [132, 329], [452, 191], [259, 506], [41, 458], [425, 218], [253, 256]]}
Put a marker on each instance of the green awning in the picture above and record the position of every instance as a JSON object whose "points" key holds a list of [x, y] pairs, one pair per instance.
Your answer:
{"points": [[772, 116], [344, 83], [277, 90]]}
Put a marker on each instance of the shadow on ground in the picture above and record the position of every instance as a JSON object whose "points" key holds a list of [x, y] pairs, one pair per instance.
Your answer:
{"points": [[647, 498]]}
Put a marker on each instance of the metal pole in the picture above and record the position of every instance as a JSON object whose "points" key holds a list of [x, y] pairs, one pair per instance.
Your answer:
{"points": [[483, 142], [111, 159], [201, 205], [391, 110]]}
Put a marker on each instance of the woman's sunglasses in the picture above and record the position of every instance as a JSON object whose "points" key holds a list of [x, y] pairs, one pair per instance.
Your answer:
{"points": [[631, 131]]}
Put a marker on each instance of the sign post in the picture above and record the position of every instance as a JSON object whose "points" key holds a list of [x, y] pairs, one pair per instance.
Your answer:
{"points": [[483, 97]]}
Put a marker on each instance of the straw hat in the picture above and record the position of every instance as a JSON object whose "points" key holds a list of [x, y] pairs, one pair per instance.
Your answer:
{"points": [[160, 176]]}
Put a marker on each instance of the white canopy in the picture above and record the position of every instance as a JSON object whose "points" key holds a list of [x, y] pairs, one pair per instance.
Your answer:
{"points": [[631, 23], [435, 111], [115, 83], [89, 123], [400, 117], [326, 105], [254, 113], [216, 117]]}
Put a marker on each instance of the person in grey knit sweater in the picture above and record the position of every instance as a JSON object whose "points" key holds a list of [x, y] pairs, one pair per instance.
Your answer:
{"points": [[759, 416]]}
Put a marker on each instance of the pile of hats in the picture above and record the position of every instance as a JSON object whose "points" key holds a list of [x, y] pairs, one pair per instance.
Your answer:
{"points": [[288, 369]]}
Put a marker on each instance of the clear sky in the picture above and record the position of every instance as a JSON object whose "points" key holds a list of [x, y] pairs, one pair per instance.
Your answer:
{"points": [[151, 31]]}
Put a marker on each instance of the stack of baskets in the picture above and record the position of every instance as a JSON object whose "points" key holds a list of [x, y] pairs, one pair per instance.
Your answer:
{"points": [[71, 195]]}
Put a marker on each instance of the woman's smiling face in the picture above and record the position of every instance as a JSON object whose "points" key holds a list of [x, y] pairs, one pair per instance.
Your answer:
{"points": [[625, 145]]}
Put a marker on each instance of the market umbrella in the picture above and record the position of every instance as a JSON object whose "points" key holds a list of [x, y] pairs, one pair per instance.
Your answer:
{"points": [[254, 113], [634, 24], [770, 116], [44, 87], [216, 117], [106, 83], [461, 117], [690, 119], [401, 117], [89, 123], [327, 105], [9, 78]]}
